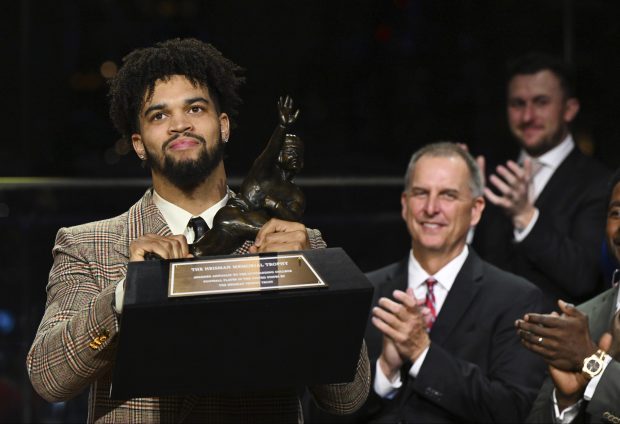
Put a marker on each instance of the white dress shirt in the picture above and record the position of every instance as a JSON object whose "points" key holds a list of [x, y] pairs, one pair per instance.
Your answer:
{"points": [[417, 277], [549, 162], [177, 220]]}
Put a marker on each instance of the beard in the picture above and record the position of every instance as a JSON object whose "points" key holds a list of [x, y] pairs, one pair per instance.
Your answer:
{"points": [[187, 175], [545, 144]]}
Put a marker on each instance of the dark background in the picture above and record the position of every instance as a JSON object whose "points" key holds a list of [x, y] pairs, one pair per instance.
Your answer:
{"points": [[374, 81]]}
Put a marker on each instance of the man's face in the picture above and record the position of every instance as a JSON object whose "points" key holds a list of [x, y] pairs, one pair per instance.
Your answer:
{"points": [[438, 206], [181, 132], [613, 222], [538, 112]]}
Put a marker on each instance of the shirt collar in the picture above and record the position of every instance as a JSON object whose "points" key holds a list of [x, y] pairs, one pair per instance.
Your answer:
{"points": [[554, 157], [177, 218], [445, 276]]}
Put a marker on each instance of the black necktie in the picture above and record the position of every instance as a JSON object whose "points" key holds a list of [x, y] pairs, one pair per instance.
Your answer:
{"points": [[199, 226]]}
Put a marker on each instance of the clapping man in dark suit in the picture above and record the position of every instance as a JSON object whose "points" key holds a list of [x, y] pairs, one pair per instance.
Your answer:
{"points": [[548, 205], [441, 340], [584, 383]]}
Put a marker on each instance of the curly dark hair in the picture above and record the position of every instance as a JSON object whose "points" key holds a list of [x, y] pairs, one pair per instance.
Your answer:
{"points": [[199, 62]]}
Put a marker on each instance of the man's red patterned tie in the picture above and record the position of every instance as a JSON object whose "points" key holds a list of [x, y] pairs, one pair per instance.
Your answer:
{"points": [[430, 300]]}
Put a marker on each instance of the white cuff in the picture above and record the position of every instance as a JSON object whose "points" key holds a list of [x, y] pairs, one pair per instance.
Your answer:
{"points": [[385, 387], [568, 414], [415, 368], [591, 387], [119, 296], [520, 235]]}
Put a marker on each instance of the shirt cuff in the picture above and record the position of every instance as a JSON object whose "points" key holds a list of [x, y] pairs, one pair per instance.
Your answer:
{"points": [[385, 387], [591, 387], [415, 368], [119, 297], [568, 414], [520, 235]]}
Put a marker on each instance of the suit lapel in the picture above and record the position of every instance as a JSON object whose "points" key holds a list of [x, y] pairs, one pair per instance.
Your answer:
{"points": [[143, 218], [601, 314], [399, 279], [463, 291], [557, 182]]}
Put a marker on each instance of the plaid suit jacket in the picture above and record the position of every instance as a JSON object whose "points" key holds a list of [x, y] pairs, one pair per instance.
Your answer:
{"points": [[76, 341]]}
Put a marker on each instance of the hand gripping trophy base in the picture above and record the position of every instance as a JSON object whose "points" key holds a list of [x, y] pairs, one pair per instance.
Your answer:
{"points": [[267, 191]]}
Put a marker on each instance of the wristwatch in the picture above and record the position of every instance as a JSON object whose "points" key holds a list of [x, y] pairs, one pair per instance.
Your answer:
{"points": [[593, 364]]}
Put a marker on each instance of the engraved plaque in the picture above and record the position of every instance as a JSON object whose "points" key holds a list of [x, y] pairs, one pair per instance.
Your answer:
{"points": [[241, 274]]}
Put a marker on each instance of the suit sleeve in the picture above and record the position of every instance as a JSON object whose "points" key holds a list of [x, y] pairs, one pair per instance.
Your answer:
{"points": [[316, 239], [345, 398], [604, 405], [542, 410], [504, 392], [75, 342], [570, 256]]}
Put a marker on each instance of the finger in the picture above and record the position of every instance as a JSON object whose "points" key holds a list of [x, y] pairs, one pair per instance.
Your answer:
{"points": [[173, 247], [410, 292], [417, 301], [569, 309], [546, 320], [387, 317], [296, 114], [391, 306], [160, 249], [281, 242], [384, 328], [482, 165], [605, 342], [148, 243], [405, 299], [537, 348], [401, 312], [181, 246], [536, 331], [500, 201], [545, 346], [501, 185], [517, 171], [275, 225], [283, 236], [507, 175], [463, 146], [530, 337], [273, 247], [420, 302]]}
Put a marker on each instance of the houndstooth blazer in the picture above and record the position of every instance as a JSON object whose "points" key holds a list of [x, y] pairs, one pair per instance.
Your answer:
{"points": [[76, 341]]}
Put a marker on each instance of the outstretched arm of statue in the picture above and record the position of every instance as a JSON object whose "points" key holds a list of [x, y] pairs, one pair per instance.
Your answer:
{"points": [[266, 160]]}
